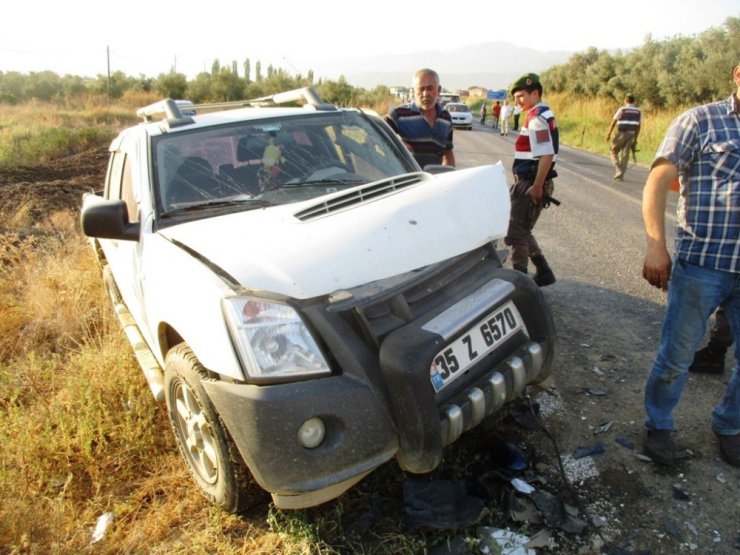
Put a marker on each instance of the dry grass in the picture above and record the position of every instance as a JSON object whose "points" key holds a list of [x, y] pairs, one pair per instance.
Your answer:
{"points": [[38, 132], [81, 434]]}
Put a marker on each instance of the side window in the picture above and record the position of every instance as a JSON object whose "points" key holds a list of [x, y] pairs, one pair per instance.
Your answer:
{"points": [[127, 192], [115, 173], [120, 184]]}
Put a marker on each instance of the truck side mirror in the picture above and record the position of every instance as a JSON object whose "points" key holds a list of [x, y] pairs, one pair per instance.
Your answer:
{"points": [[108, 219]]}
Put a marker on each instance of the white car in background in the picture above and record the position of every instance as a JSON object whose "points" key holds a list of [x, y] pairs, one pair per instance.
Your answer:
{"points": [[461, 114]]}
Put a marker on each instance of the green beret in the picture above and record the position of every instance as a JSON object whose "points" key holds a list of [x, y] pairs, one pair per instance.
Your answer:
{"points": [[525, 81]]}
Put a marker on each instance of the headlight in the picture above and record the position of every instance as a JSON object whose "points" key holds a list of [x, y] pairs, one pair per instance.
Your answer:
{"points": [[272, 340]]}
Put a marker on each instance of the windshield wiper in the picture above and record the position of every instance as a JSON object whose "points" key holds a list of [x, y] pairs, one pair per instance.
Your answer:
{"points": [[250, 203], [319, 182]]}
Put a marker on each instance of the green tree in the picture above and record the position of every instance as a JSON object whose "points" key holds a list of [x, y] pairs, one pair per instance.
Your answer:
{"points": [[11, 86], [43, 85], [227, 86], [337, 92], [673, 73], [171, 85], [114, 86], [247, 70], [74, 86], [199, 89]]}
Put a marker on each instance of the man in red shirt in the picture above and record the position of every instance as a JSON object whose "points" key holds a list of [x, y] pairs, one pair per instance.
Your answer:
{"points": [[496, 112]]}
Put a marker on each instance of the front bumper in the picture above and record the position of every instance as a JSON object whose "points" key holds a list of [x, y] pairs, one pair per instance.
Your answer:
{"points": [[428, 421], [383, 405], [264, 423]]}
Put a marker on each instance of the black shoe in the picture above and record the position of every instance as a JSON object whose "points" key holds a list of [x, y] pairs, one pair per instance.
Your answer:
{"points": [[544, 275], [658, 445], [543, 279], [729, 448], [708, 361]]}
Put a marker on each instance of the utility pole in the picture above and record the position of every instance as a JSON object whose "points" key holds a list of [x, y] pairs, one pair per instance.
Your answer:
{"points": [[107, 51]]}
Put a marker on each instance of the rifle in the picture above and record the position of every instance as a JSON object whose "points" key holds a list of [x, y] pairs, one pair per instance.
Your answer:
{"points": [[634, 153], [547, 199]]}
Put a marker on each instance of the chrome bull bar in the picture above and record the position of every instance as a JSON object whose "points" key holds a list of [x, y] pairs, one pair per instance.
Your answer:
{"points": [[503, 384]]}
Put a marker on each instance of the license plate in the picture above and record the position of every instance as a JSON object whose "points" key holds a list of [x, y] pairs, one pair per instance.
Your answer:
{"points": [[487, 335]]}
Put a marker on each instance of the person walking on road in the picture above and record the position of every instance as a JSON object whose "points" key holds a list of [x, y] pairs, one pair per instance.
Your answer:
{"points": [[627, 119], [504, 118], [517, 111], [535, 151], [496, 113], [705, 272], [483, 110], [424, 125]]}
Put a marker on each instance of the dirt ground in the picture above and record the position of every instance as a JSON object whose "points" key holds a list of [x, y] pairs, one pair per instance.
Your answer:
{"points": [[626, 504]]}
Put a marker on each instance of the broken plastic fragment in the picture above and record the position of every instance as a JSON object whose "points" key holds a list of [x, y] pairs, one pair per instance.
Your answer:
{"points": [[102, 526], [603, 427], [671, 526], [505, 542], [595, 392], [522, 486], [543, 538], [522, 509], [679, 494], [441, 504], [588, 451], [509, 455], [624, 442]]}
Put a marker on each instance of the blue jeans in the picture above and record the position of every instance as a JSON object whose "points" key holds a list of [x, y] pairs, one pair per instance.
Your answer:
{"points": [[693, 294]]}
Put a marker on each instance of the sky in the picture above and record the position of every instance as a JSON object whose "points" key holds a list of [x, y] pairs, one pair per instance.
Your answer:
{"points": [[151, 37]]}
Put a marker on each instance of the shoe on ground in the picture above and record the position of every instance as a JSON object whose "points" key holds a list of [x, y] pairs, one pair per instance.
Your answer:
{"points": [[618, 178], [658, 445], [729, 448], [544, 278], [708, 361]]}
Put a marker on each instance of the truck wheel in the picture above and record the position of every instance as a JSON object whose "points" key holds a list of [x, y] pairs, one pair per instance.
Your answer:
{"points": [[204, 441]]}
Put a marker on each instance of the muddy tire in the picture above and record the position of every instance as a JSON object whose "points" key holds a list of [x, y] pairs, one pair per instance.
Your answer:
{"points": [[202, 438]]}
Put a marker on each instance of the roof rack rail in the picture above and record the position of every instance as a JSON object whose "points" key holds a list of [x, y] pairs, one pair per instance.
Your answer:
{"points": [[309, 95], [174, 117], [169, 108]]}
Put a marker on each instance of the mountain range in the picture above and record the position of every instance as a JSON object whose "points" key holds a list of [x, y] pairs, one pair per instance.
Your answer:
{"points": [[491, 65]]}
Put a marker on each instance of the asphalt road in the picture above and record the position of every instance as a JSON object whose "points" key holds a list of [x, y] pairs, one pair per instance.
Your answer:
{"points": [[596, 235], [608, 322]]}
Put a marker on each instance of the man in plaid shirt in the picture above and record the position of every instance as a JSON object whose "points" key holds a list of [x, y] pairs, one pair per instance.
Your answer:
{"points": [[702, 148]]}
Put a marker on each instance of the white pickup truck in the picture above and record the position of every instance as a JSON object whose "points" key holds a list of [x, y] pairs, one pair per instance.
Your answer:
{"points": [[307, 301]]}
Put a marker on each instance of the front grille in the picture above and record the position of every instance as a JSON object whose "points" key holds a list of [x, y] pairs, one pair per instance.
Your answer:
{"points": [[359, 195], [382, 307]]}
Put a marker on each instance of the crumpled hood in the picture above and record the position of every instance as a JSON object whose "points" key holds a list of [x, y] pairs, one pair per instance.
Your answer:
{"points": [[271, 249]]}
